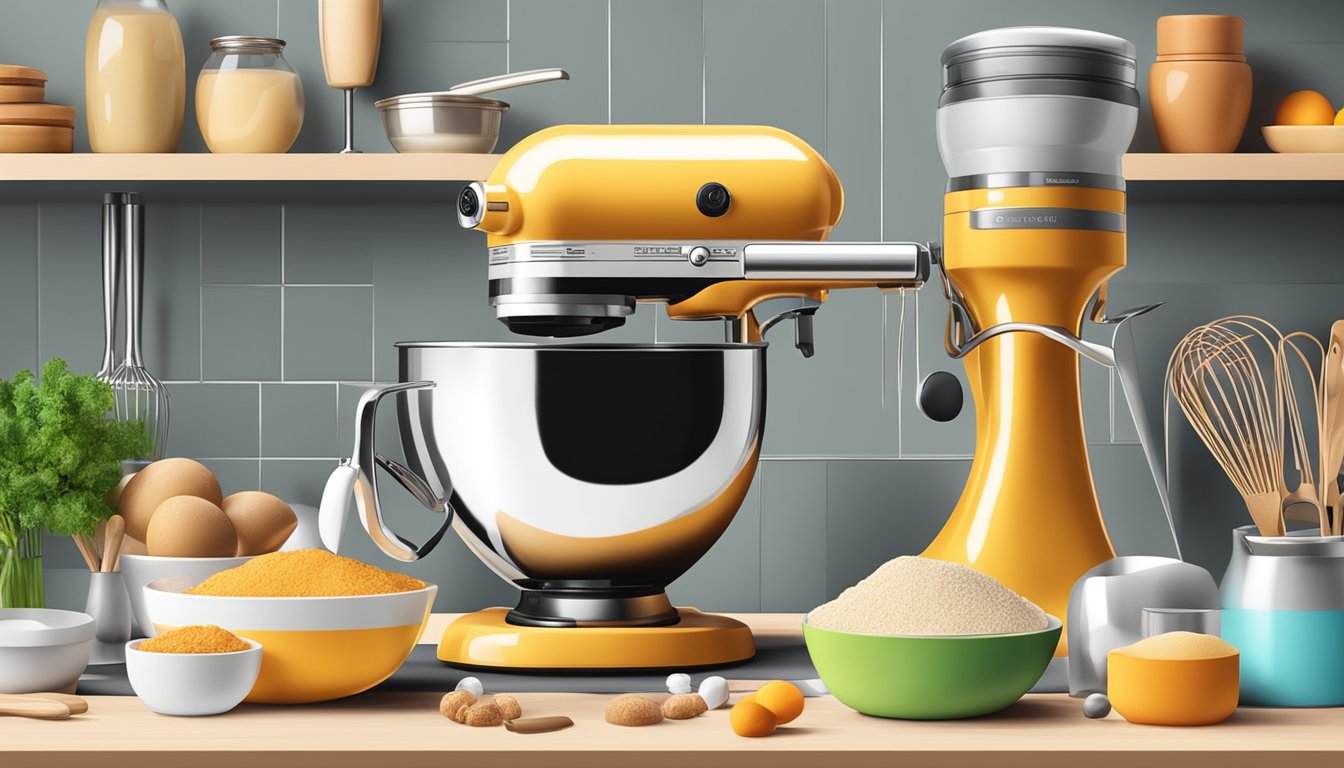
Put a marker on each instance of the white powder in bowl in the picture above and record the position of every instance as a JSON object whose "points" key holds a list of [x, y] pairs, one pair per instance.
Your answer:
{"points": [[921, 596]]}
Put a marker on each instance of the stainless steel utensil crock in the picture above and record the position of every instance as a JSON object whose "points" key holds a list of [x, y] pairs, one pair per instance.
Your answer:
{"points": [[1283, 607], [590, 476]]}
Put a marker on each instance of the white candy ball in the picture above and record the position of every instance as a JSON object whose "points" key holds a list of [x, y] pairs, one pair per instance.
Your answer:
{"points": [[471, 684], [714, 690], [678, 683]]}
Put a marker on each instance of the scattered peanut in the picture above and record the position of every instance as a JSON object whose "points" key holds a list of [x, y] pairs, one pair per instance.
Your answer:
{"points": [[632, 709], [451, 703], [509, 706], [684, 706], [751, 719], [538, 724], [484, 715]]}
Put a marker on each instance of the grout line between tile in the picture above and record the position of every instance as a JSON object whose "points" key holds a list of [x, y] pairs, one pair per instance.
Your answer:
{"points": [[875, 457], [508, 35], [200, 269], [283, 217], [608, 62], [704, 69], [37, 320], [260, 409], [881, 120]]}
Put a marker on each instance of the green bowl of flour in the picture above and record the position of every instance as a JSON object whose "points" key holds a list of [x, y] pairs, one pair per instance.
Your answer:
{"points": [[930, 677]]}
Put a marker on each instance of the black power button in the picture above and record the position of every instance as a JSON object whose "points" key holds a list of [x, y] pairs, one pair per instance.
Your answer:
{"points": [[713, 199]]}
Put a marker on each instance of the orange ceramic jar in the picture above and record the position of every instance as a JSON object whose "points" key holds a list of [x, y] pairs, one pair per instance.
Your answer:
{"points": [[1200, 85]]}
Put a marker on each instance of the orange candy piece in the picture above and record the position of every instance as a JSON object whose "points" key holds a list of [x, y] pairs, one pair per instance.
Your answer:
{"points": [[752, 720], [783, 699]]}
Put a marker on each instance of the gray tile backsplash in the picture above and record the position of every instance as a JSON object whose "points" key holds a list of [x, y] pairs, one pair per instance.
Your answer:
{"points": [[269, 320]]}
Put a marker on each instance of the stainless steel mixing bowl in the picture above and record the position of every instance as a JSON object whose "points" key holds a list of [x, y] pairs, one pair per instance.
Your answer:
{"points": [[442, 122], [591, 476]]}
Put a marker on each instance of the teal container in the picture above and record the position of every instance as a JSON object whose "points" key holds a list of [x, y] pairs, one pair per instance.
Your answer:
{"points": [[1283, 608], [943, 677], [1288, 658]]}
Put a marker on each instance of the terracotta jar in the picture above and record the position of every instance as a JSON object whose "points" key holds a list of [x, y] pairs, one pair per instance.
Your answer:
{"points": [[1200, 85]]}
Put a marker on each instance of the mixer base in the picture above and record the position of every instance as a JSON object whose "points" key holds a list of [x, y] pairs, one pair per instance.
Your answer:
{"points": [[486, 639]]}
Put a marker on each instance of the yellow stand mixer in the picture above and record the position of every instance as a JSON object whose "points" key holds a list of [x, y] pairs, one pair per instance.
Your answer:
{"points": [[591, 476]]}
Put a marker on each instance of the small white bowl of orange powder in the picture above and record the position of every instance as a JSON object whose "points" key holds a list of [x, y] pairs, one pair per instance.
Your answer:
{"points": [[193, 670]]}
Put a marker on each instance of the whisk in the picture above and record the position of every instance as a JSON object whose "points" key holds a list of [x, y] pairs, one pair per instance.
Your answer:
{"points": [[139, 395], [1215, 375]]}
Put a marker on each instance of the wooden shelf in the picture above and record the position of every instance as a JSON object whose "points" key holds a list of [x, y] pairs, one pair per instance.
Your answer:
{"points": [[1241, 166], [265, 177]]}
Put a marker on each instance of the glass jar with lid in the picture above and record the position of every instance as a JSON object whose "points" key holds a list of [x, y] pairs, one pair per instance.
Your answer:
{"points": [[248, 97]]}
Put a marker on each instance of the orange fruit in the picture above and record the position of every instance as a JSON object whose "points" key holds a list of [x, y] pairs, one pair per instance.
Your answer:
{"points": [[752, 720], [1305, 108], [784, 699]]}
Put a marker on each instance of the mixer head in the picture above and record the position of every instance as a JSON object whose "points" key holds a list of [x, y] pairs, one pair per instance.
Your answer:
{"points": [[586, 221]]}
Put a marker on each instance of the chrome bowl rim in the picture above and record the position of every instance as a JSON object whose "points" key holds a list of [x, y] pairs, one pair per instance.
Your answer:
{"points": [[580, 347]]}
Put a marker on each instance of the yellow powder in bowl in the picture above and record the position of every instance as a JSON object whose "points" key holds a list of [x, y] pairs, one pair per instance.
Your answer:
{"points": [[923, 596], [1179, 645], [198, 638], [304, 573]]}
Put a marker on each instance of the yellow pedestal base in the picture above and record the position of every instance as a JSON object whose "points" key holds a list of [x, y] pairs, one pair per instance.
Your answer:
{"points": [[485, 639]]}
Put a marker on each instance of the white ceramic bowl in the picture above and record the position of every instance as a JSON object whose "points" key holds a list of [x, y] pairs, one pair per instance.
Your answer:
{"points": [[317, 648], [43, 649], [192, 684], [140, 570], [1304, 138]]}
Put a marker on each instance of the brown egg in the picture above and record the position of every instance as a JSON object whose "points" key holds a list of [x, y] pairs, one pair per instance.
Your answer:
{"points": [[113, 496], [131, 546], [159, 482], [262, 521], [186, 526]]}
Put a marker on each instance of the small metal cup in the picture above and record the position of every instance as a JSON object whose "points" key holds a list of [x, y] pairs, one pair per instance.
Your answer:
{"points": [[1158, 621]]}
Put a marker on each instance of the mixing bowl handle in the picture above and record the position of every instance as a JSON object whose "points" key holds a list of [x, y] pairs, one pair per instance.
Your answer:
{"points": [[359, 476]]}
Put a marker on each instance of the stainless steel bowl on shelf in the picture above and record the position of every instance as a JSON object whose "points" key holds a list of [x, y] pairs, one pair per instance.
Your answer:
{"points": [[589, 475], [459, 119], [441, 122]]}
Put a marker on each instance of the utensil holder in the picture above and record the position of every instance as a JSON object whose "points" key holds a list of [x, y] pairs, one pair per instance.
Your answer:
{"points": [[110, 606], [1283, 608]]}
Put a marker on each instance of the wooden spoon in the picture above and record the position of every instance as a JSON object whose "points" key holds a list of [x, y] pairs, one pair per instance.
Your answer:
{"points": [[41, 709], [77, 705], [1266, 512], [112, 538], [1334, 421]]}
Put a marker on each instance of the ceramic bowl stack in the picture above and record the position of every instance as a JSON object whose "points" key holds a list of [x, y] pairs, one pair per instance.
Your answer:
{"points": [[43, 649], [27, 123]]}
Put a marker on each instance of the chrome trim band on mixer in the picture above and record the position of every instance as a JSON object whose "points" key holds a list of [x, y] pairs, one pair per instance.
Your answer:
{"points": [[1047, 218], [898, 262], [1036, 179]]}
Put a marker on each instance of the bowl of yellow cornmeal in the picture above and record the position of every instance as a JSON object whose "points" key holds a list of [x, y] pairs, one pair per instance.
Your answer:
{"points": [[329, 626]]}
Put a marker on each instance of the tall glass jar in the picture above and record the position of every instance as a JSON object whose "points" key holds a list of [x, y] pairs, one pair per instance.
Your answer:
{"points": [[135, 77], [21, 584], [248, 97]]}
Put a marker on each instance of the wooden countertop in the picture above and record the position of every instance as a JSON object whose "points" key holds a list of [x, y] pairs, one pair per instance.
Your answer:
{"points": [[405, 729]]}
